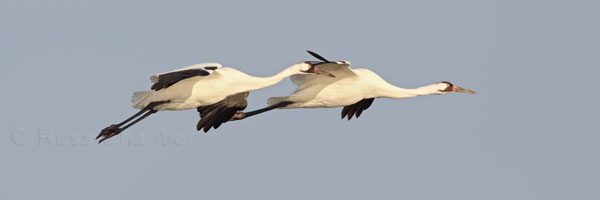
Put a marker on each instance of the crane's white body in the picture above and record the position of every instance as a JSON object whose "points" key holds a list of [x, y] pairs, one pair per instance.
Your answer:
{"points": [[349, 87], [206, 90]]}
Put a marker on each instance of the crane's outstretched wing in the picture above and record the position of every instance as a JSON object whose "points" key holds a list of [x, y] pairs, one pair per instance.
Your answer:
{"points": [[340, 69], [216, 114], [164, 80], [357, 108]]}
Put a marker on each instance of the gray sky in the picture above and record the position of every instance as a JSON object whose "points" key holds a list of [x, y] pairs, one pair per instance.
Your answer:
{"points": [[70, 68]]}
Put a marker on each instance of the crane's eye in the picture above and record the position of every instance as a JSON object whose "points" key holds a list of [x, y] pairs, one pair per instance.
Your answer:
{"points": [[449, 88]]}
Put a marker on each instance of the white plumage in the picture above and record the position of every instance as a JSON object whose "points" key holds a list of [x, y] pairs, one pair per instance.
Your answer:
{"points": [[216, 92], [315, 92], [354, 89], [205, 90]]}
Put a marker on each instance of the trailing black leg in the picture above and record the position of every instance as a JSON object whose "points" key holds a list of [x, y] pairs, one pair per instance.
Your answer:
{"points": [[243, 115], [115, 129], [132, 117]]}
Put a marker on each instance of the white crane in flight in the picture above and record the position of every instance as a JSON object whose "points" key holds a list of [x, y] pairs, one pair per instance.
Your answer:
{"points": [[216, 92], [353, 89]]}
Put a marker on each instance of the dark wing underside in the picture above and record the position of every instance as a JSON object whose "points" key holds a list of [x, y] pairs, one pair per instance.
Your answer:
{"points": [[357, 108], [216, 114], [168, 79]]}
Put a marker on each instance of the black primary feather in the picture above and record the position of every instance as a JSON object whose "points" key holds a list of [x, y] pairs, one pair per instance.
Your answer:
{"points": [[356, 108], [168, 79], [216, 114], [317, 56]]}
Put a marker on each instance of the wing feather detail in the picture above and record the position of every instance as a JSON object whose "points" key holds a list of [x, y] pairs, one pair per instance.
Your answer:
{"points": [[356, 108], [214, 115], [165, 80], [340, 70]]}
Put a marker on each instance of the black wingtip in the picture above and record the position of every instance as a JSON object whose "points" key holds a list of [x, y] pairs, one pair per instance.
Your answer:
{"points": [[317, 56]]}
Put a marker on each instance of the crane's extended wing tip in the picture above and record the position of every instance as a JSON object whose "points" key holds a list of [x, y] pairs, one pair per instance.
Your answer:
{"points": [[317, 56]]}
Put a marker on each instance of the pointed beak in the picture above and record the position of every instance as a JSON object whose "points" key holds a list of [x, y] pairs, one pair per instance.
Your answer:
{"points": [[463, 90]]}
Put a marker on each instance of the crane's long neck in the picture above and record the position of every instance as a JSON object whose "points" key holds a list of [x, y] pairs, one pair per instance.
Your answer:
{"points": [[391, 91], [263, 82]]}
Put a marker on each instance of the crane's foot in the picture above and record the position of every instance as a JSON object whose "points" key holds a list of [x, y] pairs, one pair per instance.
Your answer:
{"points": [[238, 116], [108, 132]]}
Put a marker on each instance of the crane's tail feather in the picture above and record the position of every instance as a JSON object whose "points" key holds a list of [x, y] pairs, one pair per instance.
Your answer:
{"points": [[275, 100], [141, 99]]}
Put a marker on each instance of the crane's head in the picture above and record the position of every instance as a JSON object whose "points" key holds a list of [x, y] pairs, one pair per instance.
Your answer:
{"points": [[446, 87], [308, 67]]}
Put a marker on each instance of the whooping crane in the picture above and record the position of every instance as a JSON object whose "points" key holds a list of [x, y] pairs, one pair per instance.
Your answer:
{"points": [[216, 92], [354, 89]]}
